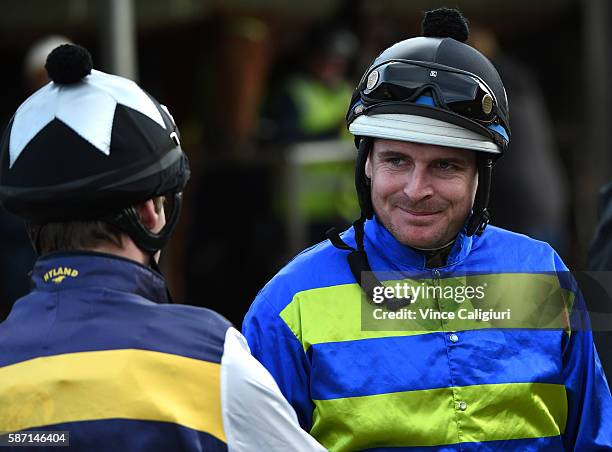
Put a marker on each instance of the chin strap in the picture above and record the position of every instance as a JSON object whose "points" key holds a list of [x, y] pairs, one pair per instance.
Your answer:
{"points": [[360, 266], [129, 222], [480, 217], [357, 258]]}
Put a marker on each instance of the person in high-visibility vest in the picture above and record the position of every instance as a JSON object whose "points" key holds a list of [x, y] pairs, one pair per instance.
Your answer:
{"points": [[310, 105]]}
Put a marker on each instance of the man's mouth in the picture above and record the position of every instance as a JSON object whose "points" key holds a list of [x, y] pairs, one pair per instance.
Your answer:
{"points": [[419, 213]]}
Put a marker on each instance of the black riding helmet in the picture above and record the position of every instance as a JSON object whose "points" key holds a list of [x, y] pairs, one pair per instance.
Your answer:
{"points": [[433, 89], [90, 146]]}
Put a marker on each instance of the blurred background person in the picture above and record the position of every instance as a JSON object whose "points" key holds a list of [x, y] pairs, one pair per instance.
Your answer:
{"points": [[303, 117], [35, 74], [307, 103]]}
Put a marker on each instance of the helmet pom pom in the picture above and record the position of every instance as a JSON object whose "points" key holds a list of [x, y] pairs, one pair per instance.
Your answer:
{"points": [[445, 23], [68, 63]]}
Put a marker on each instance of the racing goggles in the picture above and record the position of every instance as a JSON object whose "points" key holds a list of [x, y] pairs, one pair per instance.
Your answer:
{"points": [[455, 90]]}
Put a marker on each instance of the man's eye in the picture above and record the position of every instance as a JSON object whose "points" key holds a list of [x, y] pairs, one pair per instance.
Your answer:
{"points": [[395, 161], [443, 165]]}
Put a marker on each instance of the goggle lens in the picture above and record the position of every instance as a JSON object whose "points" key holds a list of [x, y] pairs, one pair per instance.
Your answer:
{"points": [[459, 92]]}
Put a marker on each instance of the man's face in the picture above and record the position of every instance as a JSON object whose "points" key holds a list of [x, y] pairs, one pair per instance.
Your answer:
{"points": [[421, 193]]}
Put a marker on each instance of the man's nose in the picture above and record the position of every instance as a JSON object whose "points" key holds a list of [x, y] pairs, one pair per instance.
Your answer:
{"points": [[418, 186]]}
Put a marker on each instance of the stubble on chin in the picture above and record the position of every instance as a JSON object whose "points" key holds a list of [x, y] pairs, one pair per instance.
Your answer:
{"points": [[395, 231], [402, 233]]}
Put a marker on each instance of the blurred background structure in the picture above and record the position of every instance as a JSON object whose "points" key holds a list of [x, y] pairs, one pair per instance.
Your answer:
{"points": [[259, 90]]}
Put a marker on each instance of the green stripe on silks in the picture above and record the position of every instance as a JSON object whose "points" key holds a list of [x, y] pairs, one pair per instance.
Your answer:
{"points": [[329, 314], [432, 417], [342, 313]]}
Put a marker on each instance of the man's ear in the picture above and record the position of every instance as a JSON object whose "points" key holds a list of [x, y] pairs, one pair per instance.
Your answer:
{"points": [[368, 167], [147, 214]]}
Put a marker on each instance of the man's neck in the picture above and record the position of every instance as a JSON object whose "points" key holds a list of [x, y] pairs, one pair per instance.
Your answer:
{"points": [[437, 257], [127, 250]]}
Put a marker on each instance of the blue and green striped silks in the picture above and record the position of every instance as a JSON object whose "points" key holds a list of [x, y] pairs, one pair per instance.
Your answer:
{"points": [[531, 382]]}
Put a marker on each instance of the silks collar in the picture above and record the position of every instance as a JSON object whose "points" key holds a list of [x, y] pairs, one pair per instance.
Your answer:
{"points": [[84, 269]]}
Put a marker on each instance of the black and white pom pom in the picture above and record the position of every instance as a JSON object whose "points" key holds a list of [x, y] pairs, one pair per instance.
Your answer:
{"points": [[68, 63], [445, 23]]}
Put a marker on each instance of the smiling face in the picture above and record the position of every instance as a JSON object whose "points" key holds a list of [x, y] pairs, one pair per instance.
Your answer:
{"points": [[421, 193]]}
